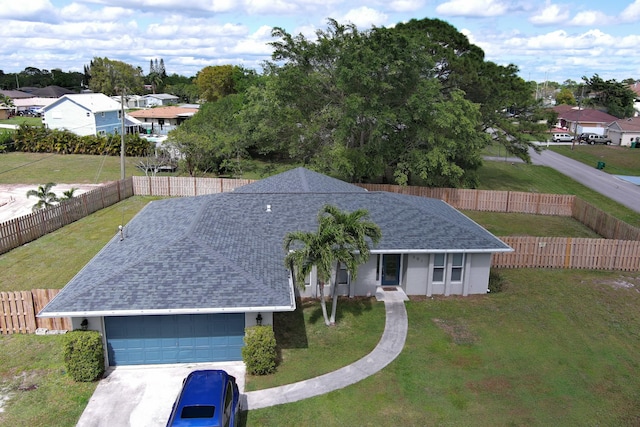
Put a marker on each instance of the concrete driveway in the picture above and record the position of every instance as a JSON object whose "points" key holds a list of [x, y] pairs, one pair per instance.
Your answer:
{"points": [[142, 396]]}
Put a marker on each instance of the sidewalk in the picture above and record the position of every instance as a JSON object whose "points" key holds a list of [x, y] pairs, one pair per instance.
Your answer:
{"points": [[388, 348]]}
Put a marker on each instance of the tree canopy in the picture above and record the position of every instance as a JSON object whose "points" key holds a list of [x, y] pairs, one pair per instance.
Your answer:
{"points": [[111, 77], [615, 96]]}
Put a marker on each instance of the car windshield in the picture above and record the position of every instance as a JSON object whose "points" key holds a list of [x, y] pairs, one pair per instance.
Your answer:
{"points": [[198, 411]]}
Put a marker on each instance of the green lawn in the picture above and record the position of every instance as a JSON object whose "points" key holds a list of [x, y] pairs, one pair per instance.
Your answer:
{"points": [[618, 160], [554, 348]]}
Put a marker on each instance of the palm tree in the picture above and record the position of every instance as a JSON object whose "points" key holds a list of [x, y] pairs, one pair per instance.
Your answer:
{"points": [[354, 248], [340, 238], [69, 194], [47, 198]]}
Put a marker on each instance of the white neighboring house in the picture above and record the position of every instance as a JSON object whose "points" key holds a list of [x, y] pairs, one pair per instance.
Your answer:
{"points": [[624, 131], [160, 99], [84, 114]]}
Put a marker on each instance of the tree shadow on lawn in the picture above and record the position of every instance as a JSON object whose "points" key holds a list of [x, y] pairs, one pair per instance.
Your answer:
{"points": [[290, 328]]}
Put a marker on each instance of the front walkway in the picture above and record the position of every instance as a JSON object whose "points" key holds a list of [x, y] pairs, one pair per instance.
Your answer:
{"points": [[388, 348]]}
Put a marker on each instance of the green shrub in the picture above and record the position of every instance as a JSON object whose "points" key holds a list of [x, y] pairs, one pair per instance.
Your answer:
{"points": [[259, 351], [83, 355], [496, 282]]}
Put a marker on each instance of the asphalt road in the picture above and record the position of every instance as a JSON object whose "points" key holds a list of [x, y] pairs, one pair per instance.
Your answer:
{"points": [[621, 191]]}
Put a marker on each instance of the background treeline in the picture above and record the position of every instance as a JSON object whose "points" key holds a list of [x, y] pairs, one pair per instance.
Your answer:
{"points": [[38, 139]]}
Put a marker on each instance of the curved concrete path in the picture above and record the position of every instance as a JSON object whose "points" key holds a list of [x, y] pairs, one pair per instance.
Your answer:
{"points": [[388, 348]]}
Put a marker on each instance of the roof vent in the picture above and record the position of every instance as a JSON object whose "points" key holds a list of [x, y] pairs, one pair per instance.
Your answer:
{"points": [[268, 208]]}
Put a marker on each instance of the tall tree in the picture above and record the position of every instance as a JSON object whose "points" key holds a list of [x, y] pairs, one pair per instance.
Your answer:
{"points": [[215, 82], [111, 77], [337, 239], [615, 96], [46, 197]]}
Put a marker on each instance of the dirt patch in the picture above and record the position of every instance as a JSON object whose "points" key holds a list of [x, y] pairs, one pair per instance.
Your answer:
{"points": [[457, 330], [624, 282], [14, 202]]}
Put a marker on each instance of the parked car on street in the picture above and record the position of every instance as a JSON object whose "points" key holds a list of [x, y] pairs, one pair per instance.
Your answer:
{"points": [[593, 138], [209, 398], [562, 137]]}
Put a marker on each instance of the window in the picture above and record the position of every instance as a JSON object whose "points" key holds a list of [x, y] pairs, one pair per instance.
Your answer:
{"points": [[200, 411], [439, 262], [457, 265], [119, 114], [343, 276]]}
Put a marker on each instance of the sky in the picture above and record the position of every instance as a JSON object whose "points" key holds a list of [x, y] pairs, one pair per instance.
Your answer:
{"points": [[548, 40]]}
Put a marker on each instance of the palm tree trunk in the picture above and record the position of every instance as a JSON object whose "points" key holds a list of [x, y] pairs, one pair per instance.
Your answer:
{"points": [[334, 292], [323, 304]]}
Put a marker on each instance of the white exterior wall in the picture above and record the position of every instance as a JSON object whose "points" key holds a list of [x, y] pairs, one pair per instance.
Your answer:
{"points": [[417, 274], [416, 277], [250, 318], [477, 272], [72, 117], [366, 283]]}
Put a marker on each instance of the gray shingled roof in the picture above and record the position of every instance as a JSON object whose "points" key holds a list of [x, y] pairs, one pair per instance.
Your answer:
{"points": [[223, 252]]}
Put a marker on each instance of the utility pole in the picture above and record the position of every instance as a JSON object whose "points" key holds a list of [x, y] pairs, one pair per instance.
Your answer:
{"points": [[122, 134]]}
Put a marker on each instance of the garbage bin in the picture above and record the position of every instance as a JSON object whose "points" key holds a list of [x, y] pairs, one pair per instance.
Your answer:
{"points": [[600, 165], [634, 144]]}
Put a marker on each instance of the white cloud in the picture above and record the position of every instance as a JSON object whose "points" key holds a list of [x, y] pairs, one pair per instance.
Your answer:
{"points": [[76, 12], [364, 17], [590, 18], [271, 7], [405, 5], [36, 10], [472, 8], [631, 13], [550, 14]]}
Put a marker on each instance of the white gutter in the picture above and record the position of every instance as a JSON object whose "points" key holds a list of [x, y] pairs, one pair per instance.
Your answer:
{"points": [[439, 251], [165, 311]]}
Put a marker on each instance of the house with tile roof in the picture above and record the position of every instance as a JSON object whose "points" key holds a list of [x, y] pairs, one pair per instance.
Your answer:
{"points": [[84, 114], [162, 120], [185, 277]]}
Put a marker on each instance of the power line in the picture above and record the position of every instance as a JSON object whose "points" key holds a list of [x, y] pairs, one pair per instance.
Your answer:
{"points": [[26, 164]]}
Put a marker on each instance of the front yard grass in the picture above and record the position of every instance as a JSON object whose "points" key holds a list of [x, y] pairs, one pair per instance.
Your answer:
{"points": [[33, 378], [618, 160], [556, 347]]}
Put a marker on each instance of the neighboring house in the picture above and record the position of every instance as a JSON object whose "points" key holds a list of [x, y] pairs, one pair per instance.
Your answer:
{"points": [[187, 275], [23, 104], [15, 94], [624, 131], [52, 91], [583, 120], [85, 114], [162, 120], [160, 99]]}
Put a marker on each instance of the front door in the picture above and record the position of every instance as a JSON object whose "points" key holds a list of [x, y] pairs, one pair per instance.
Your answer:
{"points": [[391, 270]]}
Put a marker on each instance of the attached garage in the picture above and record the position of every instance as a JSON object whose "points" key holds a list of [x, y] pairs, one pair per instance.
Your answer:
{"points": [[141, 340]]}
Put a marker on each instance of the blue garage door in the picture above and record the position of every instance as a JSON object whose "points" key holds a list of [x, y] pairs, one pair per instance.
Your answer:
{"points": [[141, 340]]}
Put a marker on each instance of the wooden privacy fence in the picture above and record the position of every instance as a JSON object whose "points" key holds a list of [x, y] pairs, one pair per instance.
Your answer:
{"points": [[18, 312], [569, 252], [603, 223], [172, 186], [489, 200], [18, 231]]}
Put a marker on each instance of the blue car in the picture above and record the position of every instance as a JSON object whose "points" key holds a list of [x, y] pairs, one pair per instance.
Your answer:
{"points": [[208, 398]]}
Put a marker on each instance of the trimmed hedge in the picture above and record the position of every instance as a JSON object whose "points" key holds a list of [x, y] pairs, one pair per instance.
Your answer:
{"points": [[84, 355], [259, 351]]}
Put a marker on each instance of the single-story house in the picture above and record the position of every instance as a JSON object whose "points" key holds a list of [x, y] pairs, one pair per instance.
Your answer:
{"points": [[582, 120], [85, 114], [624, 131], [160, 99], [162, 120], [184, 278]]}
